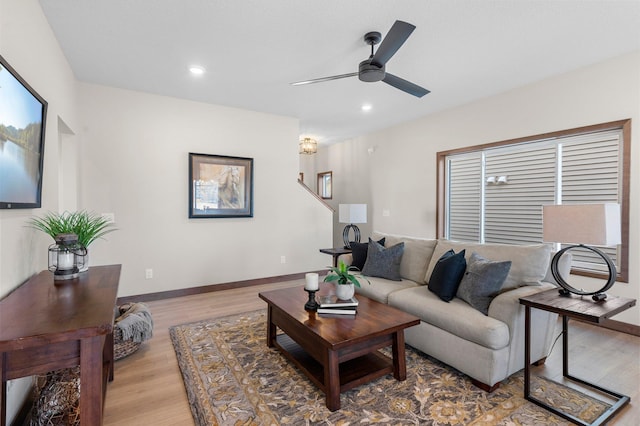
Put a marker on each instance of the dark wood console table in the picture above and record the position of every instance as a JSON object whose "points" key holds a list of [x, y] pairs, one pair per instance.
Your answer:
{"points": [[583, 309], [46, 327]]}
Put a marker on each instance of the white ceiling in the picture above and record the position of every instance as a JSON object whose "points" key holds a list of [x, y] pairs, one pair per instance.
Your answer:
{"points": [[461, 50]]}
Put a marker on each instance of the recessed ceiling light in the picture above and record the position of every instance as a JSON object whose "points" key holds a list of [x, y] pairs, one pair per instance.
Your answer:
{"points": [[196, 70], [366, 107]]}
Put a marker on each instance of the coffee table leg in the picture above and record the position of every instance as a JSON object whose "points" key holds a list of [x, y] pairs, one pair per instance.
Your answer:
{"points": [[271, 328], [399, 360], [332, 381]]}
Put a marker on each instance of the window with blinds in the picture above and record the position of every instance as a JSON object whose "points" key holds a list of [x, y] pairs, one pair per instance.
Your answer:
{"points": [[495, 194]]}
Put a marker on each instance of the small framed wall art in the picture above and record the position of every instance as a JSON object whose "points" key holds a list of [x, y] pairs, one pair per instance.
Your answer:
{"points": [[220, 186]]}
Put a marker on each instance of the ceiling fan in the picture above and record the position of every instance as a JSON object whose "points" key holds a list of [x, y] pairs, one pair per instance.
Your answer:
{"points": [[373, 69]]}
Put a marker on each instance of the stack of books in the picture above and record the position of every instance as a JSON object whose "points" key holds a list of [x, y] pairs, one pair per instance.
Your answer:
{"points": [[332, 305]]}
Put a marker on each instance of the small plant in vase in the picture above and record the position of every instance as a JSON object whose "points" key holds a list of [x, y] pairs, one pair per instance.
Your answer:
{"points": [[87, 226], [345, 280]]}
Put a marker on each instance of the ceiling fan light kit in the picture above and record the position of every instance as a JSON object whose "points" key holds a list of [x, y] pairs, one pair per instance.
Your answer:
{"points": [[373, 69]]}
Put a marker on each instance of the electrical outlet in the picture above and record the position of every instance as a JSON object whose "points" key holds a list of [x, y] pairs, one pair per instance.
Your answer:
{"points": [[283, 259], [109, 217], [386, 213], [148, 273]]}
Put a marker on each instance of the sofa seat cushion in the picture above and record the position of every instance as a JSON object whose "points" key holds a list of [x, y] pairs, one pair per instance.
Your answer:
{"points": [[381, 288], [416, 257], [529, 263], [455, 317]]}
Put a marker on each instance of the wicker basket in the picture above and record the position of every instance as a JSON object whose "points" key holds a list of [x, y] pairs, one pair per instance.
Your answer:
{"points": [[123, 348], [56, 398]]}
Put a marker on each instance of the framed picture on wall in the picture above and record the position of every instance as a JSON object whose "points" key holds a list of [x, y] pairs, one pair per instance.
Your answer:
{"points": [[220, 186]]}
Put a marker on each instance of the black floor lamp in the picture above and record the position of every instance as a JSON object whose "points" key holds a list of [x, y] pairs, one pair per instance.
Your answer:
{"points": [[579, 225]]}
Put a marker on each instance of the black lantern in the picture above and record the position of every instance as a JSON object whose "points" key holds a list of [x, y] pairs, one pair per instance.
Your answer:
{"points": [[66, 257]]}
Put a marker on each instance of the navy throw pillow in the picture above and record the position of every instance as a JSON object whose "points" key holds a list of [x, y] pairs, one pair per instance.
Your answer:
{"points": [[359, 253], [447, 274]]}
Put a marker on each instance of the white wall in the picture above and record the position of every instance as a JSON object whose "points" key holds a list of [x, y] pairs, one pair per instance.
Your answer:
{"points": [[307, 167], [135, 164], [401, 173], [28, 44], [349, 164]]}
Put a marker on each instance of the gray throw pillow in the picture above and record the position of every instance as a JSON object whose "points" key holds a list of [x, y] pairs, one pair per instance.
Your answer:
{"points": [[482, 281], [359, 253], [383, 262]]}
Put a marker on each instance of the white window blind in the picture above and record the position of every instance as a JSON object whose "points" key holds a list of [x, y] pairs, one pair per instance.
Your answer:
{"points": [[496, 195], [513, 212], [464, 197], [590, 174]]}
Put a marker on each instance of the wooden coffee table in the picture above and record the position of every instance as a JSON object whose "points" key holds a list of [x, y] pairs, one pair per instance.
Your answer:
{"points": [[337, 352]]}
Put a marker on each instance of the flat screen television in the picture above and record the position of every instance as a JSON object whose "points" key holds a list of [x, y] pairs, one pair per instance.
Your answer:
{"points": [[23, 116]]}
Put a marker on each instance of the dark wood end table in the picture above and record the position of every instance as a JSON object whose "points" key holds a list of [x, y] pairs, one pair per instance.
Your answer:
{"points": [[45, 327], [336, 252], [337, 352], [583, 309]]}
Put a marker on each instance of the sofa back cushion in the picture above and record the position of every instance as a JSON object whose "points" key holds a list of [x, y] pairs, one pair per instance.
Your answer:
{"points": [[416, 257], [529, 263]]}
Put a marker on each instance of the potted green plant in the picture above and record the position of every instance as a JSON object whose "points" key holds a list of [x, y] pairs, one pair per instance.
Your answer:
{"points": [[345, 279], [87, 226]]}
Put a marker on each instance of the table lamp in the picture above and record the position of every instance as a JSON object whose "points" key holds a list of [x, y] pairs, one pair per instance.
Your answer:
{"points": [[579, 225], [351, 213]]}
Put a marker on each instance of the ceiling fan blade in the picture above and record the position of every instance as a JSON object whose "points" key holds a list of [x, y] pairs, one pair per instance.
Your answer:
{"points": [[320, 80], [397, 35], [405, 86]]}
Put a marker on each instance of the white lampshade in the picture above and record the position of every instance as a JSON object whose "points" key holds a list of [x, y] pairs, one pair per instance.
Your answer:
{"points": [[588, 224], [352, 213]]}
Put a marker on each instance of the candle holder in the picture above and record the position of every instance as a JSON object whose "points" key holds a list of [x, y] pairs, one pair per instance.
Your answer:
{"points": [[311, 304]]}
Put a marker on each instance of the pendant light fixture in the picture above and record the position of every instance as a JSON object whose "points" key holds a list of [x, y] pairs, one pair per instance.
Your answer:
{"points": [[308, 146]]}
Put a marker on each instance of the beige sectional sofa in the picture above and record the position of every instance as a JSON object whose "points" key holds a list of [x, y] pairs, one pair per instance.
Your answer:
{"points": [[488, 348]]}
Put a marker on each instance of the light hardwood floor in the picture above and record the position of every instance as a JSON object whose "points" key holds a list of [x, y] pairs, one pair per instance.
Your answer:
{"points": [[148, 388]]}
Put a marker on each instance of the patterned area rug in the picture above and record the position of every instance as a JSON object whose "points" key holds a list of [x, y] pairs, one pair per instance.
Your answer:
{"points": [[233, 378]]}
